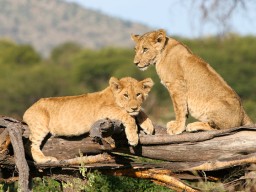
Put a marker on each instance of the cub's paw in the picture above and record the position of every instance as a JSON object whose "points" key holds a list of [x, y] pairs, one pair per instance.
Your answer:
{"points": [[148, 127], [174, 128], [134, 141]]}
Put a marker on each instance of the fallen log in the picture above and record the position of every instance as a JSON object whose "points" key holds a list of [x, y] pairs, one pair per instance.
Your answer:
{"points": [[201, 151], [211, 150]]}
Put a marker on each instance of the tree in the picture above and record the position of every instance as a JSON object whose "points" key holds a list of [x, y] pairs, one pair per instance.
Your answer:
{"points": [[62, 53], [11, 53], [219, 12]]}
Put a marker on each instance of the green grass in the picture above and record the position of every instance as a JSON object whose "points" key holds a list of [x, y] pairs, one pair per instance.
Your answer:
{"points": [[96, 182]]}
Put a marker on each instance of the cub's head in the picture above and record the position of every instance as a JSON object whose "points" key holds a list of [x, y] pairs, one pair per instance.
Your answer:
{"points": [[129, 93], [148, 48]]}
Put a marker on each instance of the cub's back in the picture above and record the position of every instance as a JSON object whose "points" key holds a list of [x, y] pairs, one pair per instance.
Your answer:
{"points": [[65, 115]]}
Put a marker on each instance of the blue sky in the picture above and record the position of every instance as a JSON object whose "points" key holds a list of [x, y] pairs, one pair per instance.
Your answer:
{"points": [[172, 15]]}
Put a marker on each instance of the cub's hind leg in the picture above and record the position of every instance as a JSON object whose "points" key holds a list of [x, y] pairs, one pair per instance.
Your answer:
{"points": [[37, 119], [37, 134], [199, 126], [36, 139]]}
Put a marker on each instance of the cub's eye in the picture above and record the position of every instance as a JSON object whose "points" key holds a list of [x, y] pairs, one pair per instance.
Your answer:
{"points": [[138, 94], [126, 95], [145, 49]]}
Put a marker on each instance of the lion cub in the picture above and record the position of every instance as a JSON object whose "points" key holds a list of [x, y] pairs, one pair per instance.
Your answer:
{"points": [[195, 87], [74, 115]]}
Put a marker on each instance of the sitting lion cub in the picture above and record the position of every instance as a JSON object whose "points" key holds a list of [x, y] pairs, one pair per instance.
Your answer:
{"points": [[74, 115], [194, 86]]}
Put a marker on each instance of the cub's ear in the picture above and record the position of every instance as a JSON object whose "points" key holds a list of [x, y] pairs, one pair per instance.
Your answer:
{"points": [[159, 38], [160, 35], [135, 38], [147, 84], [115, 84]]}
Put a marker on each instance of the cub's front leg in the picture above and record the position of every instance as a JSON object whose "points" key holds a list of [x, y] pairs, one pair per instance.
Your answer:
{"points": [[145, 123], [177, 92], [131, 129]]}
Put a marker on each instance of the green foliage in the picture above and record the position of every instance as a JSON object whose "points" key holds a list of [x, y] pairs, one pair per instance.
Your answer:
{"points": [[102, 183], [94, 68], [25, 77], [10, 53], [22, 86], [62, 54], [10, 187], [45, 184]]}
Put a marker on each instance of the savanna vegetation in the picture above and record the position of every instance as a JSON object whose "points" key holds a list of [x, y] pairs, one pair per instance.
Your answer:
{"points": [[25, 77]]}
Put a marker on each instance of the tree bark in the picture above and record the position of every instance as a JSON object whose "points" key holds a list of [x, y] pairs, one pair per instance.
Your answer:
{"points": [[19, 156], [15, 134], [188, 151], [211, 150]]}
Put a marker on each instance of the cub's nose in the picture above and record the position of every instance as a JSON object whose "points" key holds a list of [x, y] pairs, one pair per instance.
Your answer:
{"points": [[135, 108], [136, 63]]}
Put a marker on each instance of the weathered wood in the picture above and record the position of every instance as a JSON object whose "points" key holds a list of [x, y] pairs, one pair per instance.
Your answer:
{"points": [[14, 130], [161, 137], [70, 147], [211, 150], [234, 143], [63, 148], [83, 160], [187, 151]]}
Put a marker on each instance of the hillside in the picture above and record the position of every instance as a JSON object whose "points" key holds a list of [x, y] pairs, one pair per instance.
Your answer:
{"points": [[47, 23]]}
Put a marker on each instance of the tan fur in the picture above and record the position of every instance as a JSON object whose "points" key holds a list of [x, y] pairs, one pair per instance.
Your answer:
{"points": [[5, 141], [74, 115], [194, 86]]}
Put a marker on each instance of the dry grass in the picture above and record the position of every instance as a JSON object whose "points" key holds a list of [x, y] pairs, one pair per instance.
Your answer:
{"points": [[238, 179]]}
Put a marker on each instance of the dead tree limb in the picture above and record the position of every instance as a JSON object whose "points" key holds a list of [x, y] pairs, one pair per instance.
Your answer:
{"points": [[161, 137], [14, 130], [211, 150], [224, 148]]}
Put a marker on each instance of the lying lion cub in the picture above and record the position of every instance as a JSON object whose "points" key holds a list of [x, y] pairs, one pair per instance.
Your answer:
{"points": [[74, 115], [194, 86]]}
